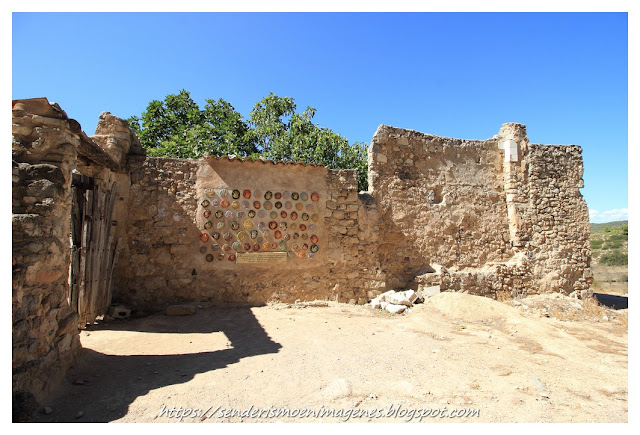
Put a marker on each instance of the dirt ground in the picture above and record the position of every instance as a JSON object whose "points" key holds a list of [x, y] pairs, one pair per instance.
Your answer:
{"points": [[512, 363]]}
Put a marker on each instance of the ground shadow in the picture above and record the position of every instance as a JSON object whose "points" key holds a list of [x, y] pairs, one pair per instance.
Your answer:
{"points": [[115, 381], [612, 301]]}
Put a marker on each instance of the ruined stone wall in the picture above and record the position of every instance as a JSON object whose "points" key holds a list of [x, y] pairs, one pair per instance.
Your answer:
{"points": [[175, 250], [45, 329], [557, 219], [440, 200]]}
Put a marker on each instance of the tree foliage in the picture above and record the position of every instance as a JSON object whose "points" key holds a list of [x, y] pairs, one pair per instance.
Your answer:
{"points": [[177, 127]]}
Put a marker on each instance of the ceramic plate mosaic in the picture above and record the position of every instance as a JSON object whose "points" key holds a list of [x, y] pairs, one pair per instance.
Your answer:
{"points": [[207, 225], [315, 196], [278, 205], [221, 256], [304, 196], [241, 236], [209, 257], [273, 215], [203, 249], [268, 195], [223, 193], [235, 225], [251, 213], [288, 205], [262, 214], [286, 194], [267, 205], [303, 227], [206, 213], [235, 194], [215, 235], [277, 195], [220, 225], [204, 237], [227, 236], [228, 214], [253, 234], [257, 194], [240, 214], [257, 205], [224, 203], [235, 205], [293, 215], [245, 204], [215, 247], [246, 194], [295, 196], [299, 206], [235, 246], [205, 203], [247, 224], [314, 248], [314, 239], [208, 192], [283, 214], [219, 214], [215, 203], [232, 257]]}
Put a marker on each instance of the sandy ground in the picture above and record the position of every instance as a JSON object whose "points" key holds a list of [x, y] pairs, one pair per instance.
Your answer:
{"points": [[455, 351]]}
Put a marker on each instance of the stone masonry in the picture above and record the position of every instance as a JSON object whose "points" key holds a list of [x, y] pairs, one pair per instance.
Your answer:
{"points": [[482, 216]]}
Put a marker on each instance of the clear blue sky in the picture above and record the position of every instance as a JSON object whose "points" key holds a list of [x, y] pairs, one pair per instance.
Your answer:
{"points": [[461, 75]]}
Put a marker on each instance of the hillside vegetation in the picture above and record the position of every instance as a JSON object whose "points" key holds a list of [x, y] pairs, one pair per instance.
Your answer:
{"points": [[610, 243]]}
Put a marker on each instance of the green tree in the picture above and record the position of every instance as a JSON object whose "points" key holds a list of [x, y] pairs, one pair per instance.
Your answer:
{"points": [[176, 127]]}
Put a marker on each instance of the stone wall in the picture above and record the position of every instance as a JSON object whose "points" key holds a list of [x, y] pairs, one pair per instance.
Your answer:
{"points": [[496, 219], [47, 146], [176, 252]]}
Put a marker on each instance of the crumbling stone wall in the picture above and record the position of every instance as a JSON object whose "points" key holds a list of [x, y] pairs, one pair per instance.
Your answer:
{"points": [[497, 219], [47, 146], [171, 256]]}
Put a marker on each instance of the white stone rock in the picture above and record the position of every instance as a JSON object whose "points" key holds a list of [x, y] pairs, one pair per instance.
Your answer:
{"points": [[398, 299], [411, 295], [375, 303], [395, 309], [427, 292]]}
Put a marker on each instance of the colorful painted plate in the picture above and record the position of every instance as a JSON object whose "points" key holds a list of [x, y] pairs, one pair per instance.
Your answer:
{"points": [[247, 246], [266, 246], [296, 236], [247, 224], [235, 246], [274, 246], [288, 205], [235, 194], [235, 225], [209, 258], [278, 205], [228, 214], [312, 228], [277, 234], [273, 215], [295, 196], [257, 194], [206, 213], [305, 246], [224, 203], [291, 254], [277, 195], [305, 217], [204, 237], [257, 205], [262, 225], [283, 246], [315, 218], [293, 215], [256, 247], [246, 194], [295, 247], [310, 256], [221, 256], [268, 195], [273, 225], [287, 237], [299, 206], [304, 196], [205, 203], [240, 214], [314, 239], [215, 247], [283, 226], [310, 207], [220, 225], [293, 226], [286, 194], [215, 203], [219, 214], [253, 234], [227, 236], [215, 235], [314, 248], [300, 254], [266, 234], [304, 236], [251, 213], [208, 192], [226, 247], [203, 249], [241, 236], [315, 197], [267, 205], [235, 205], [232, 257], [223, 193], [262, 214], [207, 225], [245, 204]]}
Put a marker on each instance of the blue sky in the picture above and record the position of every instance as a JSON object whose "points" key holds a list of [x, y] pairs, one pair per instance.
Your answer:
{"points": [[461, 75]]}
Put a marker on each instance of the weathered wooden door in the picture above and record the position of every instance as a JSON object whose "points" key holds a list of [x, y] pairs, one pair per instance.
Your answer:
{"points": [[93, 252]]}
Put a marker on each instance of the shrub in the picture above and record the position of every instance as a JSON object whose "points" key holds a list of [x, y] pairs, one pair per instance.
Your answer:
{"points": [[614, 258]]}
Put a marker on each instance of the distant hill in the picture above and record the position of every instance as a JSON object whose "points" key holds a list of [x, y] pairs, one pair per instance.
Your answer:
{"points": [[610, 243], [599, 228]]}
